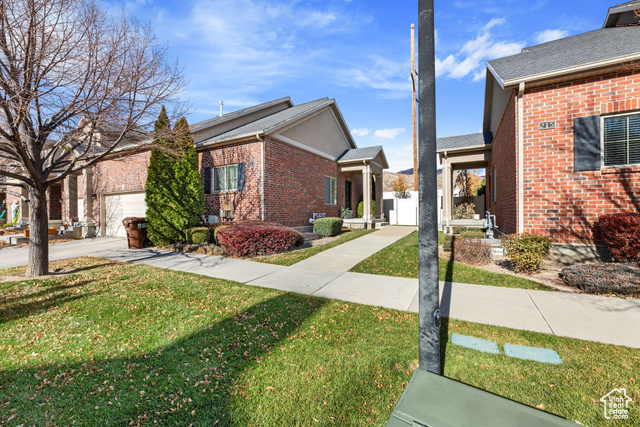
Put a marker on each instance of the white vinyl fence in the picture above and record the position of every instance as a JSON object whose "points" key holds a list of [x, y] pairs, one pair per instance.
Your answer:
{"points": [[405, 211]]}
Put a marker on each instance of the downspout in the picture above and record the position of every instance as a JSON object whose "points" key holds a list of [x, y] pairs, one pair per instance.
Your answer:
{"points": [[261, 176], [521, 158]]}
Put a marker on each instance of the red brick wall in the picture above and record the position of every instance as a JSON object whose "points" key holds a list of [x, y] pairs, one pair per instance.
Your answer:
{"points": [[126, 173], [504, 157], [294, 184], [246, 204], [294, 181], [559, 202]]}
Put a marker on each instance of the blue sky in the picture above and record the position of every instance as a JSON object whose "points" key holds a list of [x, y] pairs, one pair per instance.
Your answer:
{"points": [[245, 52]]}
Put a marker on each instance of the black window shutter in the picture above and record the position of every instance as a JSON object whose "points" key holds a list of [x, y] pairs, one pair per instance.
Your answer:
{"points": [[241, 177], [586, 143], [207, 180]]}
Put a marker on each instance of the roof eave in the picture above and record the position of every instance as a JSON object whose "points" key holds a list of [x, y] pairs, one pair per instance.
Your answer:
{"points": [[566, 71], [237, 138], [462, 149]]}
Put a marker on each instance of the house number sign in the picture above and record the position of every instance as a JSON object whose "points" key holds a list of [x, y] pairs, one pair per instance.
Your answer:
{"points": [[547, 125]]}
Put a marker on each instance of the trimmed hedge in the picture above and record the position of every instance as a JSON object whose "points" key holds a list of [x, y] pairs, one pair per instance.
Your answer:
{"points": [[360, 211], [327, 226], [256, 238], [606, 278], [526, 251], [198, 235], [621, 234]]}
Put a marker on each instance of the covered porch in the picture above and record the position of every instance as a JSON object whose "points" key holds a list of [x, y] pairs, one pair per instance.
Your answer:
{"points": [[457, 153], [371, 163]]}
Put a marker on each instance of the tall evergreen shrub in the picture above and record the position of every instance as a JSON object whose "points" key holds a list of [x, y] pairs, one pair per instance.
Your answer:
{"points": [[174, 193]]}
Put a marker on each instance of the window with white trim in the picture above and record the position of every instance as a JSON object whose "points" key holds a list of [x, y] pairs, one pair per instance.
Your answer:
{"points": [[225, 178], [621, 140], [330, 190]]}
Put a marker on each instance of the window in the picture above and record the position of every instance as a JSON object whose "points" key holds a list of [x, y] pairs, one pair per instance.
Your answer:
{"points": [[225, 178], [621, 140], [330, 187], [207, 180]]}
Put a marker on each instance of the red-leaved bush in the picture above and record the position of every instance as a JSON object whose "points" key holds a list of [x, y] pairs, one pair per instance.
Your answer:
{"points": [[621, 234], [257, 238]]}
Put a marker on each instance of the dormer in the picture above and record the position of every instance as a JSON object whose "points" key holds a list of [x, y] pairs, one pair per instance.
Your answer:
{"points": [[623, 15]]}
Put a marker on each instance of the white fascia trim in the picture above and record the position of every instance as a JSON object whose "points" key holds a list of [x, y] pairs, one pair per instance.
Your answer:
{"points": [[571, 70], [239, 138], [463, 149], [311, 114], [304, 147]]}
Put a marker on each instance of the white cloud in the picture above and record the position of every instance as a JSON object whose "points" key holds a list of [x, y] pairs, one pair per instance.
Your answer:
{"points": [[390, 77], [361, 132], [388, 133], [471, 58], [549, 35]]}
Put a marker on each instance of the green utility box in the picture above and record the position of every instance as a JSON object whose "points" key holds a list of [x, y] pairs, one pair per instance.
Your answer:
{"points": [[432, 400]]}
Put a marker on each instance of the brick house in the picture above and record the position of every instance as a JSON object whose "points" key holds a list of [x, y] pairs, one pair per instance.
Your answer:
{"points": [[275, 161], [561, 133]]}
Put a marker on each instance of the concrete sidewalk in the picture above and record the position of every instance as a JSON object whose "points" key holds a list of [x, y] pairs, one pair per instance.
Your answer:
{"points": [[587, 317], [13, 257]]}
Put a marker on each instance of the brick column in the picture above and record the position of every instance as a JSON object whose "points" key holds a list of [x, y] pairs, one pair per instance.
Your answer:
{"points": [[447, 191], [24, 206], [87, 192], [379, 195], [71, 197], [366, 193]]}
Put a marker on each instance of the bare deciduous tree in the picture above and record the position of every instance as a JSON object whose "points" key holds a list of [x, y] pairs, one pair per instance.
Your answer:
{"points": [[68, 72]]}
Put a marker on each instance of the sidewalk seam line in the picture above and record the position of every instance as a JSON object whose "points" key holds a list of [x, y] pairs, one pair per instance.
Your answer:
{"points": [[542, 315], [326, 284]]}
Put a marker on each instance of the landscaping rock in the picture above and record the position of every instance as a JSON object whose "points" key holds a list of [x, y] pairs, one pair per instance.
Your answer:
{"points": [[607, 278]]}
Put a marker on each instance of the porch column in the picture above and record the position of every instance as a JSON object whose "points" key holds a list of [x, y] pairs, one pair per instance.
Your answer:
{"points": [[366, 196], [447, 191], [87, 192], [71, 197], [24, 206], [379, 196]]}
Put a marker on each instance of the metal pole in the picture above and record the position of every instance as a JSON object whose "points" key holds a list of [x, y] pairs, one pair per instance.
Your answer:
{"points": [[428, 293]]}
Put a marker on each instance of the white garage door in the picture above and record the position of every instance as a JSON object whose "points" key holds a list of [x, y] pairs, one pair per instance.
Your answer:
{"points": [[120, 206]]}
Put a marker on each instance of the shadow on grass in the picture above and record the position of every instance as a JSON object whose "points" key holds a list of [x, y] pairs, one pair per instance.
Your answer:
{"points": [[197, 379], [445, 308], [53, 296]]}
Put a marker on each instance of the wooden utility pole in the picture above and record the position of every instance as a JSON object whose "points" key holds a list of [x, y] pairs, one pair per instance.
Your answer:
{"points": [[413, 108]]}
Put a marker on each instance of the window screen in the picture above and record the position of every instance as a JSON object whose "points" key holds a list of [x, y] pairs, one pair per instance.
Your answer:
{"points": [[621, 140], [330, 185]]}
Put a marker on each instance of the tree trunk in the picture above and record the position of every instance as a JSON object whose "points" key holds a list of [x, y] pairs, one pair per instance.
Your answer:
{"points": [[38, 233]]}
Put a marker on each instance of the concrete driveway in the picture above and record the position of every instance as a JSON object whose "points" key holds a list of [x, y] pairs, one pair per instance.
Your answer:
{"points": [[13, 257]]}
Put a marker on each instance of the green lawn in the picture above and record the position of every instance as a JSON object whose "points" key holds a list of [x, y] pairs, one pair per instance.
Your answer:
{"points": [[401, 260], [293, 257], [124, 344]]}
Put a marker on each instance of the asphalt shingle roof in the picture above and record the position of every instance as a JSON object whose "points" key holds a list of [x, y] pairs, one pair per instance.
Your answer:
{"points": [[582, 49], [365, 153], [464, 141], [229, 116], [273, 121]]}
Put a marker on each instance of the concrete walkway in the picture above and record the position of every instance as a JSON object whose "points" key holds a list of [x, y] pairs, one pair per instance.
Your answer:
{"points": [[587, 317]]}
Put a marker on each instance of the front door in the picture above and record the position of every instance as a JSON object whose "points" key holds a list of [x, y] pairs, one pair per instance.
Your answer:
{"points": [[347, 194]]}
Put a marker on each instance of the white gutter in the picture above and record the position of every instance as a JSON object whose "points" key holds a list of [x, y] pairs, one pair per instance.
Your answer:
{"points": [[564, 71], [521, 157], [261, 176]]}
